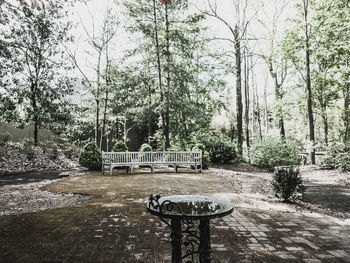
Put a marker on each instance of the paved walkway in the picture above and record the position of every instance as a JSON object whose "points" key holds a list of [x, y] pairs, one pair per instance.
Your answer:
{"points": [[115, 227]]}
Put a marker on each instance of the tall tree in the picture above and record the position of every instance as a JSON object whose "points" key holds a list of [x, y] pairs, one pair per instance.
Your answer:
{"points": [[37, 65], [298, 41], [98, 42], [173, 49], [273, 57], [308, 77], [238, 30], [333, 56]]}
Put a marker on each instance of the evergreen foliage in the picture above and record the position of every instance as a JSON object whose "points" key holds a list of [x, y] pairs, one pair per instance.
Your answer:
{"points": [[36, 72], [28, 142], [338, 157], [169, 88], [120, 146], [91, 156], [5, 138], [220, 149], [272, 152], [145, 148], [286, 182], [206, 162]]}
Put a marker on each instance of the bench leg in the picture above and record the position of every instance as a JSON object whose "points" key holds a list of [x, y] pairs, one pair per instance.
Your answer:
{"points": [[131, 169], [152, 169], [175, 168], [195, 166], [110, 170]]}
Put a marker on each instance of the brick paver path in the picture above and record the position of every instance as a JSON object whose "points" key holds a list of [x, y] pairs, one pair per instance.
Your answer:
{"points": [[115, 227]]}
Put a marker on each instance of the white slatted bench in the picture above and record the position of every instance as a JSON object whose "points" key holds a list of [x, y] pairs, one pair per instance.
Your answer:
{"points": [[111, 160]]}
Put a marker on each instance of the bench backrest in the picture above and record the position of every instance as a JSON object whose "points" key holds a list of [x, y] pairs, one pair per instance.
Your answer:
{"points": [[152, 157]]}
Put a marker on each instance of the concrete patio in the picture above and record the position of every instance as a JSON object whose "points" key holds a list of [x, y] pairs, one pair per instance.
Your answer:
{"points": [[114, 225]]}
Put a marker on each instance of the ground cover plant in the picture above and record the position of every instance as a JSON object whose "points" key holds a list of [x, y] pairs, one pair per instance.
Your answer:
{"points": [[5, 138], [287, 182]]}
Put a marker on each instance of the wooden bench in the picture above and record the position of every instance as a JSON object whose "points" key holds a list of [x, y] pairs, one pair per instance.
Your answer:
{"points": [[111, 160], [305, 155]]}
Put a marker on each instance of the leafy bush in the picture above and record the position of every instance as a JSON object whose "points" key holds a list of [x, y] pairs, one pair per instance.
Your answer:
{"points": [[205, 155], [51, 148], [71, 151], [28, 142], [5, 138], [90, 156], [120, 146], [145, 148], [220, 149], [338, 156], [175, 147], [272, 152], [205, 160], [286, 182]]}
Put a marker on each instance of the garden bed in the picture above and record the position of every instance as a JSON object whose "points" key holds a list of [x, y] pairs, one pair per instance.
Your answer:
{"points": [[16, 158]]}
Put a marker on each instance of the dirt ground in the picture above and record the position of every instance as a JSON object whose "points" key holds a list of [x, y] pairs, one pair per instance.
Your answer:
{"points": [[95, 218], [327, 191]]}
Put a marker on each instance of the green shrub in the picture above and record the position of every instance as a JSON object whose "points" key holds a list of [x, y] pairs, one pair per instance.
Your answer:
{"points": [[5, 138], [199, 146], [272, 152], [51, 148], [70, 150], [175, 147], [206, 160], [120, 146], [145, 148], [338, 156], [205, 155], [28, 142], [286, 182], [220, 149], [90, 156]]}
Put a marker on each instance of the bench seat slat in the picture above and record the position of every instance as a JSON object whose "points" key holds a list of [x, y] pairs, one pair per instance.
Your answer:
{"points": [[130, 159]]}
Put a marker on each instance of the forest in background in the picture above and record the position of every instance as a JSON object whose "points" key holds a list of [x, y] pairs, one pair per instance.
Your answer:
{"points": [[180, 84]]}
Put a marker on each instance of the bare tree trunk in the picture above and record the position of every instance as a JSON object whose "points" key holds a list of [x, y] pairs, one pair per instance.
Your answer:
{"points": [[104, 119], [239, 90], [325, 124], [346, 113], [108, 81], [278, 97], [308, 82], [254, 104], [150, 133], [266, 109], [167, 110], [324, 116], [258, 114], [246, 92], [35, 112], [162, 114], [97, 99]]}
